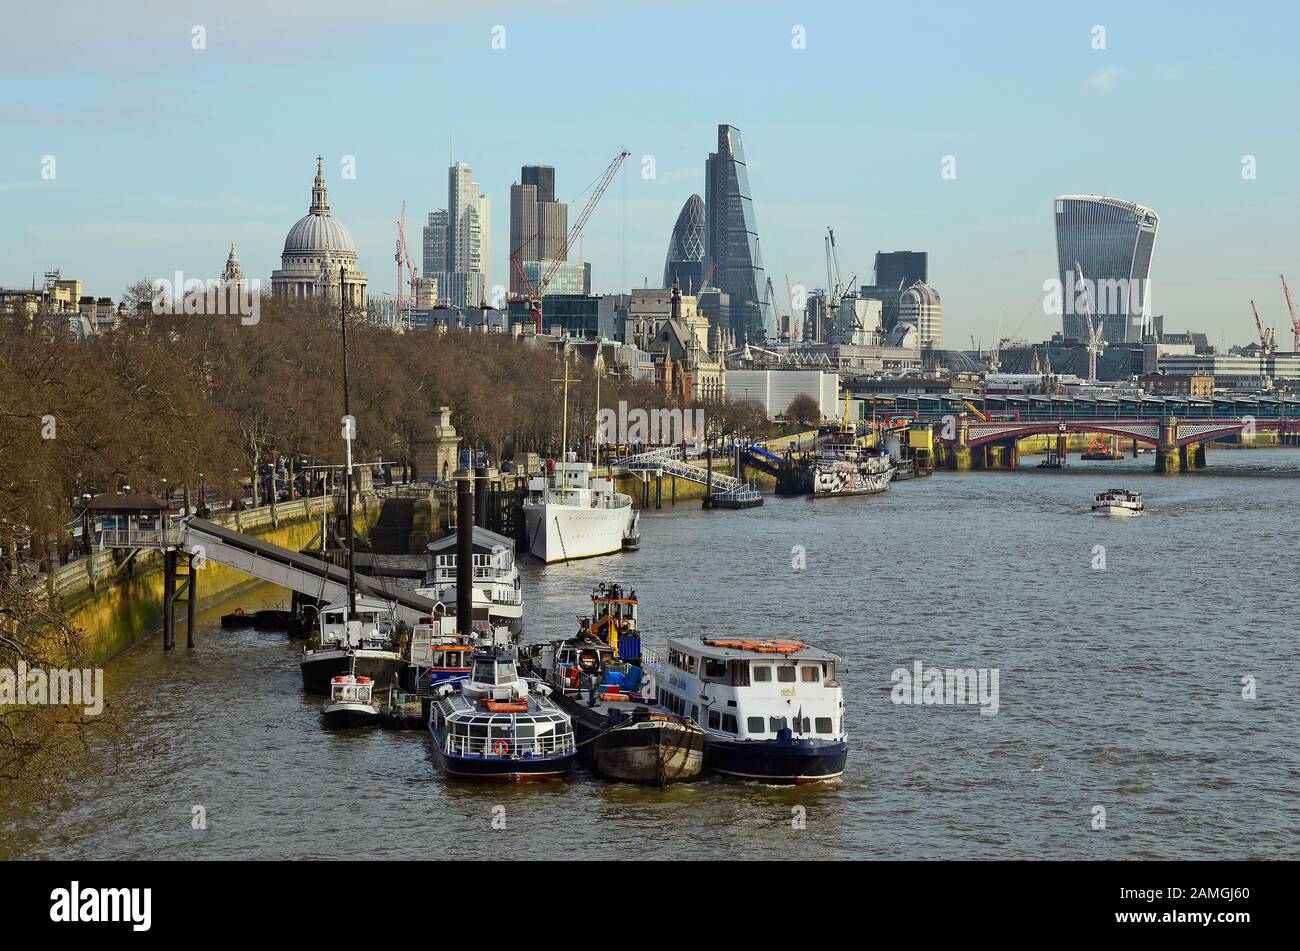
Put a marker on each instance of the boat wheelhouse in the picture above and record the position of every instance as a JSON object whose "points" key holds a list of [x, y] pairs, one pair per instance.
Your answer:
{"points": [[495, 725], [773, 710], [495, 576], [361, 643]]}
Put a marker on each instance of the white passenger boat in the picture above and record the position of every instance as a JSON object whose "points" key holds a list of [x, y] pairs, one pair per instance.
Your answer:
{"points": [[495, 576], [773, 710], [1117, 502]]}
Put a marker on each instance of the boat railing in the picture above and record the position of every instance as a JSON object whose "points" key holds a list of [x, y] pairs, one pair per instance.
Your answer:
{"points": [[550, 744]]}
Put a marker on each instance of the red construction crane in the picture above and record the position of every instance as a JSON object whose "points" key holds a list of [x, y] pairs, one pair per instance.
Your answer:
{"points": [[403, 258], [1295, 321], [1267, 339], [533, 295]]}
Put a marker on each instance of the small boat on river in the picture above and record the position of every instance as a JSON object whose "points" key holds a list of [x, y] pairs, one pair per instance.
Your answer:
{"points": [[1120, 502]]}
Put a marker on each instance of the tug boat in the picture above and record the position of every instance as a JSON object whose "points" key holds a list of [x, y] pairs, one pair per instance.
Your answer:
{"points": [[772, 710], [351, 702], [1118, 502], [361, 644], [495, 725], [597, 678], [494, 572]]}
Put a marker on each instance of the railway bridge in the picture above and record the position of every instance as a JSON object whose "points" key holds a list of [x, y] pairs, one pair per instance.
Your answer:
{"points": [[1179, 444]]}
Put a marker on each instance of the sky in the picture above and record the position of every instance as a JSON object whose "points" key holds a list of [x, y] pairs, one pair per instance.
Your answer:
{"points": [[163, 154]]}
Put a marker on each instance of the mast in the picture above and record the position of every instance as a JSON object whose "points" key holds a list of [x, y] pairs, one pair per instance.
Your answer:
{"points": [[564, 426], [348, 427]]}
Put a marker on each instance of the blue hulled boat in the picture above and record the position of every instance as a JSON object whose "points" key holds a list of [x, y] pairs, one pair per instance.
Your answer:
{"points": [[495, 725]]}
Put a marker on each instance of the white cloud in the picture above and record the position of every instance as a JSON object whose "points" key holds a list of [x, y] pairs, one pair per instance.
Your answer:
{"points": [[1105, 79]]}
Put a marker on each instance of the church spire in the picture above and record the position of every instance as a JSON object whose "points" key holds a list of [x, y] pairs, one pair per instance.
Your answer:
{"points": [[320, 199]]}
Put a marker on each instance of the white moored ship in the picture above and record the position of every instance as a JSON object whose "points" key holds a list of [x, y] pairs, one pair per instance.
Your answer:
{"points": [[1117, 502], [569, 514]]}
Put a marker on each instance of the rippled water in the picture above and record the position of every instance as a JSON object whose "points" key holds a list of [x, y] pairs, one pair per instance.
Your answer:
{"points": [[1119, 688]]}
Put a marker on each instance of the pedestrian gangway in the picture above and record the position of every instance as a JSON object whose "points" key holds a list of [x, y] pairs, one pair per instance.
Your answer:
{"points": [[208, 541], [669, 460]]}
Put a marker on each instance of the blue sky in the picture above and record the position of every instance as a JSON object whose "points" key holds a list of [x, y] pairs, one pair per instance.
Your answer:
{"points": [[165, 154]]}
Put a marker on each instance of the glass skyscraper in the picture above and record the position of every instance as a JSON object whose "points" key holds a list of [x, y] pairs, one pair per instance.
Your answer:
{"points": [[685, 261], [731, 240], [1112, 241]]}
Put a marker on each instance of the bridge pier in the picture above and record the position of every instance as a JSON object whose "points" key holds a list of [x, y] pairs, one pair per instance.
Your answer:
{"points": [[1169, 455]]}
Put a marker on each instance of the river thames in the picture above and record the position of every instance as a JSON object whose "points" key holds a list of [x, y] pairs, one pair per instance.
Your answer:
{"points": [[1121, 689]]}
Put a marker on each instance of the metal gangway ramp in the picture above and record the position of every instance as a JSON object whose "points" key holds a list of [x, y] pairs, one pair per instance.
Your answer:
{"points": [[290, 569], [668, 460]]}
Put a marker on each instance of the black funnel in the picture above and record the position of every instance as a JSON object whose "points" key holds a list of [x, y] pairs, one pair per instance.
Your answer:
{"points": [[464, 553]]}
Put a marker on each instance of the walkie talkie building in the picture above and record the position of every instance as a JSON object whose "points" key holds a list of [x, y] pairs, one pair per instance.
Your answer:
{"points": [[1112, 241]]}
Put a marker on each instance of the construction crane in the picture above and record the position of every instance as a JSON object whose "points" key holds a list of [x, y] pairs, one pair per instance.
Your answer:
{"points": [[1096, 343], [404, 262], [1295, 321], [713, 266], [1267, 337], [533, 295]]}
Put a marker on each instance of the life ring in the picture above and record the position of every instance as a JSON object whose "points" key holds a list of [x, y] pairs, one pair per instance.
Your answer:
{"points": [[239, 612], [500, 747]]}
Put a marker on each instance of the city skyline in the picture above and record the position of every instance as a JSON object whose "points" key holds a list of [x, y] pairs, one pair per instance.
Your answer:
{"points": [[1019, 105]]}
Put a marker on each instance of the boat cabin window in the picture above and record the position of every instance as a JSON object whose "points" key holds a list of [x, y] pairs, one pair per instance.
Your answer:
{"points": [[682, 661], [754, 725], [810, 673], [762, 673], [713, 669], [729, 724], [824, 725], [491, 671], [785, 674], [715, 720], [775, 724], [739, 673]]}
